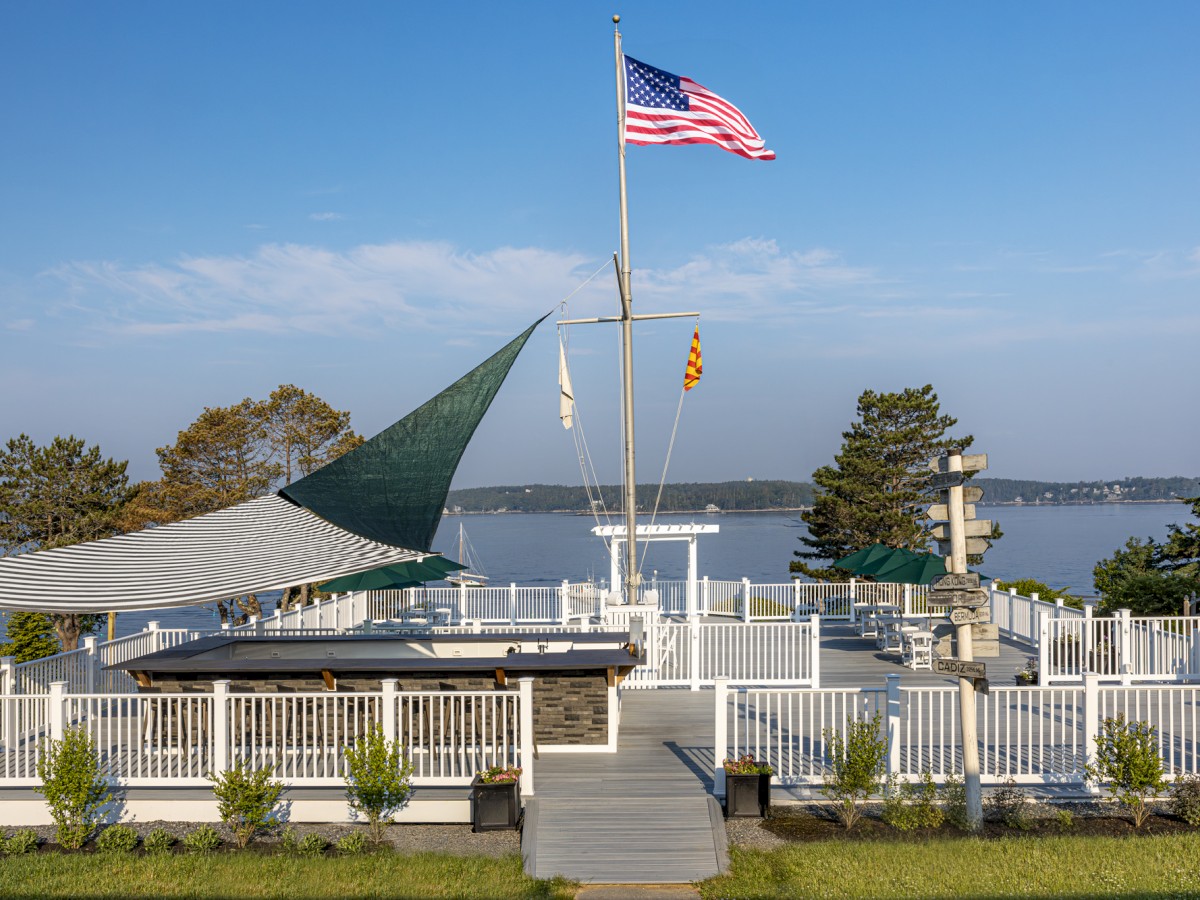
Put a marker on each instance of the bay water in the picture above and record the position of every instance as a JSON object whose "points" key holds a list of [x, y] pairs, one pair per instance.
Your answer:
{"points": [[1058, 545]]}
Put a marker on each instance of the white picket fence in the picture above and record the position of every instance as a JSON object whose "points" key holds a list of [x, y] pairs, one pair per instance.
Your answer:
{"points": [[1033, 735], [178, 739]]}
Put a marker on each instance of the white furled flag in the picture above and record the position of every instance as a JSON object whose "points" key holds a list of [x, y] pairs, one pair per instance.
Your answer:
{"points": [[661, 108], [566, 394]]}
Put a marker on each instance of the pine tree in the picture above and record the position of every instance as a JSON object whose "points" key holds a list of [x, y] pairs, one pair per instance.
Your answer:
{"points": [[878, 487], [55, 496], [30, 636]]}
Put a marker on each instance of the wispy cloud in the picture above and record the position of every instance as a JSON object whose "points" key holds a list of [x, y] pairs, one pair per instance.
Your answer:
{"points": [[19, 325], [326, 216], [375, 288]]}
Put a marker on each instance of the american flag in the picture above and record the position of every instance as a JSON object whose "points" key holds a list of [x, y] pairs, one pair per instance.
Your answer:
{"points": [[661, 108]]}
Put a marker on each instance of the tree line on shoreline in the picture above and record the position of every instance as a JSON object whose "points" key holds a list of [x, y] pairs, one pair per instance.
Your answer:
{"points": [[780, 494]]}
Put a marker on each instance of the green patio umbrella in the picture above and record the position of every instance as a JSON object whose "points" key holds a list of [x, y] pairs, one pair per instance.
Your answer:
{"points": [[893, 558], [862, 557], [372, 580], [920, 569], [395, 577]]}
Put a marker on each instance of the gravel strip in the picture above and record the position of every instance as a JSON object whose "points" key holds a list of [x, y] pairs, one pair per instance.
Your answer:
{"points": [[458, 840]]}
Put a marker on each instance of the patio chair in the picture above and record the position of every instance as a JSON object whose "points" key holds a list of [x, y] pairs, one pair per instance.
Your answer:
{"points": [[918, 650]]}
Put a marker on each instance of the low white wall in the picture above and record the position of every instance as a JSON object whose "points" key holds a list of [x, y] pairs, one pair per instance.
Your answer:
{"points": [[32, 811]]}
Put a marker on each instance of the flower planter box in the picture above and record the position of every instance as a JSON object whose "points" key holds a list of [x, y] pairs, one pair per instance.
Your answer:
{"points": [[747, 795], [495, 807]]}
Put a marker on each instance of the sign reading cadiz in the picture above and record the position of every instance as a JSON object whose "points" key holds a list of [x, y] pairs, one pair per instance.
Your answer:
{"points": [[955, 581], [961, 667]]}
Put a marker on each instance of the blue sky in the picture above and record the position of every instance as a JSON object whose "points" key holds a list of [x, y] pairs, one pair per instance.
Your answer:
{"points": [[201, 201]]}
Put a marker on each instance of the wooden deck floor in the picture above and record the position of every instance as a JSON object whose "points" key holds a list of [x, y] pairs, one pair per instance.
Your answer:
{"points": [[848, 661], [641, 815]]}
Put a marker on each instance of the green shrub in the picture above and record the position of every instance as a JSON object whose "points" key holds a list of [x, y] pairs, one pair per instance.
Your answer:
{"points": [[1008, 804], [352, 844], [117, 839], [908, 806], [1064, 820], [312, 845], [246, 800], [1185, 798], [203, 840], [1127, 759], [159, 841], [23, 840], [856, 765], [72, 785], [378, 780], [289, 841], [954, 803]]}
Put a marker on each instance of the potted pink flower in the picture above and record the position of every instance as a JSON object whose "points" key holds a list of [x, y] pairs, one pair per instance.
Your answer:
{"points": [[747, 787], [496, 798]]}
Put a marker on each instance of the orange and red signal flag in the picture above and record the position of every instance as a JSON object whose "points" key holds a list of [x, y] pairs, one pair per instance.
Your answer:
{"points": [[695, 364]]}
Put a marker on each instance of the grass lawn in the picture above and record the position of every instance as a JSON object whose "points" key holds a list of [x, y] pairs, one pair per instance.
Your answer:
{"points": [[229, 875], [1066, 866]]}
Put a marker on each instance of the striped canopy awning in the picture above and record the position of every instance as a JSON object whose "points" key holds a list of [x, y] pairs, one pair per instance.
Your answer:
{"points": [[261, 545]]}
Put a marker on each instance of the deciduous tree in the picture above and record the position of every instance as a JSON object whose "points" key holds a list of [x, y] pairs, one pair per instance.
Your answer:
{"points": [[877, 489], [233, 454]]}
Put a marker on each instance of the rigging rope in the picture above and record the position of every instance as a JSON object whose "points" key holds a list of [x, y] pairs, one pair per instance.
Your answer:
{"points": [[666, 464]]}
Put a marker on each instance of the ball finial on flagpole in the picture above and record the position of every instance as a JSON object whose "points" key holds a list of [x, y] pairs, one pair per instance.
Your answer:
{"points": [[616, 20]]}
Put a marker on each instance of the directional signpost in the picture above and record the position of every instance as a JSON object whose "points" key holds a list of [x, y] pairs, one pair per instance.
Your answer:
{"points": [[963, 535]]}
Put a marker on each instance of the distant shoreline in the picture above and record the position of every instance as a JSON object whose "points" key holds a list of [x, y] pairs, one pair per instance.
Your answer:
{"points": [[789, 509]]}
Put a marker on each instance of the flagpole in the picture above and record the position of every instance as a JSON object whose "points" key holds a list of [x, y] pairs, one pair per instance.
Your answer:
{"points": [[632, 576]]}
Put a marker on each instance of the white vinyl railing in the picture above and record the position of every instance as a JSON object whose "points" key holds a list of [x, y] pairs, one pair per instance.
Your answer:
{"points": [[1032, 735], [1123, 648], [179, 739], [83, 669], [691, 654]]}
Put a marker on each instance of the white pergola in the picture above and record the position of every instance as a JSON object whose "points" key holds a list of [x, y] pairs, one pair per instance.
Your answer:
{"points": [[616, 535]]}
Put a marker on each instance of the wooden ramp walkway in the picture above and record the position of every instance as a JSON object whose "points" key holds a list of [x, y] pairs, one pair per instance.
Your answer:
{"points": [[641, 815]]}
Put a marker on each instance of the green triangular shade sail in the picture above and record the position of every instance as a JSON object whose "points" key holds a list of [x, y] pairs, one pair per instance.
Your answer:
{"points": [[395, 577], [393, 488]]}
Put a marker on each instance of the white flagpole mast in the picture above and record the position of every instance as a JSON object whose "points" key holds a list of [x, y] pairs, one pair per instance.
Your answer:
{"points": [[632, 576]]}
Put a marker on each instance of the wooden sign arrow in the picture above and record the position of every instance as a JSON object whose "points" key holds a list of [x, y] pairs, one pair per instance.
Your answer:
{"points": [[966, 615], [963, 668], [975, 547], [955, 581], [945, 480], [971, 462], [959, 598], [972, 494], [971, 528], [940, 512]]}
